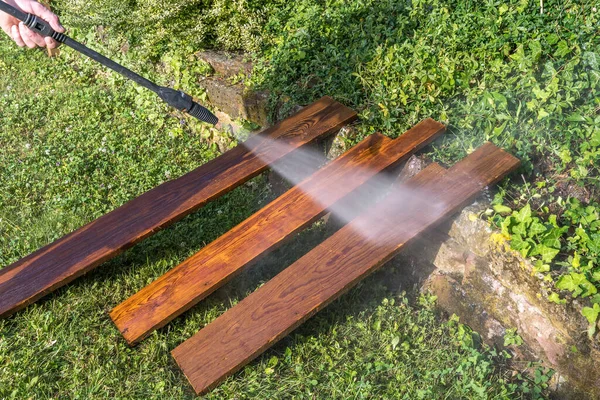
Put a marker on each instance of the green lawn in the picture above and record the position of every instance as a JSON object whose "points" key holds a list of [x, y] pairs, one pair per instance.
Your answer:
{"points": [[76, 142]]}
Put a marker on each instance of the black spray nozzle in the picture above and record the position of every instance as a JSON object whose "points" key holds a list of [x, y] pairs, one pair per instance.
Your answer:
{"points": [[202, 114], [184, 102]]}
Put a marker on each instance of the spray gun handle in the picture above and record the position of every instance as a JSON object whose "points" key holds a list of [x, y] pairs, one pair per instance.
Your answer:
{"points": [[34, 22], [40, 26]]}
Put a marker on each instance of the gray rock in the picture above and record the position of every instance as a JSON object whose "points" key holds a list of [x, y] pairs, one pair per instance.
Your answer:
{"points": [[235, 101], [492, 288], [226, 64]]}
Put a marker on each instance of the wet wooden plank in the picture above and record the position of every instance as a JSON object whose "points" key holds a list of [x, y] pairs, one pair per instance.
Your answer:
{"points": [[84, 249], [188, 283], [279, 306]]}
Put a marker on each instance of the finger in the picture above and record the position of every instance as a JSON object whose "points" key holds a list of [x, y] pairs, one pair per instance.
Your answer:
{"points": [[35, 37], [16, 36], [26, 35], [50, 43], [39, 10]]}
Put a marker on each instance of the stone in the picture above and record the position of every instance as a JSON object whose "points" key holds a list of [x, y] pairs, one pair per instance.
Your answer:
{"points": [[412, 167], [337, 145], [226, 64], [491, 288], [471, 230], [235, 101], [226, 90], [454, 299]]}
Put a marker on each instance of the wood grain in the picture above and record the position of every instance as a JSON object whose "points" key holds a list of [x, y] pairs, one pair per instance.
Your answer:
{"points": [[275, 309], [197, 277], [78, 252]]}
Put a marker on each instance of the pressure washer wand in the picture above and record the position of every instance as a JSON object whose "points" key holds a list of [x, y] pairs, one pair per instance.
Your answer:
{"points": [[175, 98]]}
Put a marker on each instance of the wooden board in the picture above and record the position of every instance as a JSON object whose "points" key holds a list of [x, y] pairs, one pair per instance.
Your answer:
{"points": [[279, 306], [71, 256], [197, 277]]}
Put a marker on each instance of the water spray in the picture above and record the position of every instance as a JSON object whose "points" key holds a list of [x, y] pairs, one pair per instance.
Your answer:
{"points": [[175, 98], [300, 164]]}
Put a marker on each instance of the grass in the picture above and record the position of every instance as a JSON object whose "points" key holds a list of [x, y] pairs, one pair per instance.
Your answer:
{"points": [[76, 142]]}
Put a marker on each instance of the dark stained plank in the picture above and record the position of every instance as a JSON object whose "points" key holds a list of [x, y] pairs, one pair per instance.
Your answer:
{"points": [[82, 250], [282, 304], [185, 285]]}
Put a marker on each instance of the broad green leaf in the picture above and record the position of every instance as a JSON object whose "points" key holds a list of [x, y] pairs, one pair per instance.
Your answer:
{"points": [[519, 54], [500, 98], [552, 238], [562, 49], [570, 283], [540, 94], [580, 172], [517, 243], [594, 243], [505, 227], [501, 209], [565, 155], [591, 314], [592, 59], [499, 129], [540, 267], [555, 298], [524, 215], [520, 229], [582, 235], [595, 138], [536, 228], [589, 288], [395, 342], [536, 50], [547, 253], [552, 38], [575, 117], [591, 215], [577, 284], [576, 263]]}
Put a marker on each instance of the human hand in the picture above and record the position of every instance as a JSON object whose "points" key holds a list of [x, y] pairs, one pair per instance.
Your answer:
{"points": [[20, 33]]}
